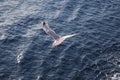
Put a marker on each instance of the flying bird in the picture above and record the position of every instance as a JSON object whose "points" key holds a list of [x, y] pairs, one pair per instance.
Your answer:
{"points": [[57, 39]]}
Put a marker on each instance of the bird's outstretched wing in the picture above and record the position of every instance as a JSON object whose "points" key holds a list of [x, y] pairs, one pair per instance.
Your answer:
{"points": [[61, 39], [49, 31]]}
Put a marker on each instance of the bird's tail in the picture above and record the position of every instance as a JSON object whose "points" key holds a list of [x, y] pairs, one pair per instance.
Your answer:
{"points": [[61, 39]]}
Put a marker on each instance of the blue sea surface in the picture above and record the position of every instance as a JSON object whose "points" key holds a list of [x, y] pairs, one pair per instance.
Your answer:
{"points": [[25, 49]]}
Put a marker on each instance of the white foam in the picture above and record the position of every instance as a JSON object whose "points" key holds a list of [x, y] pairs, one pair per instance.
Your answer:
{"points": [[116, 76], [21, 51], [57, 14], [32, 31], [2, 34], [38, 77], [20, 56], [7, 18], [20, 78], [74, 14], [13, 15]]}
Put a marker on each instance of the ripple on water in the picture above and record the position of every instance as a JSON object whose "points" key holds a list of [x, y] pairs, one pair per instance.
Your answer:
{"points": [[93, 55]]}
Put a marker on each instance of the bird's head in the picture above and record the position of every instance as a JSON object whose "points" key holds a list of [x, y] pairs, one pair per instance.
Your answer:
{"points": [[44, 23]]}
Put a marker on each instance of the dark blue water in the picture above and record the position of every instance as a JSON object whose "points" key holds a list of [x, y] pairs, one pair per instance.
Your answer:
{"points": [[25, 49]]}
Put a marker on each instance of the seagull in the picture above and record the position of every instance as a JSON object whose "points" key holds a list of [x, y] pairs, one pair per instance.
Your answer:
{"points": [[57, 39]]}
